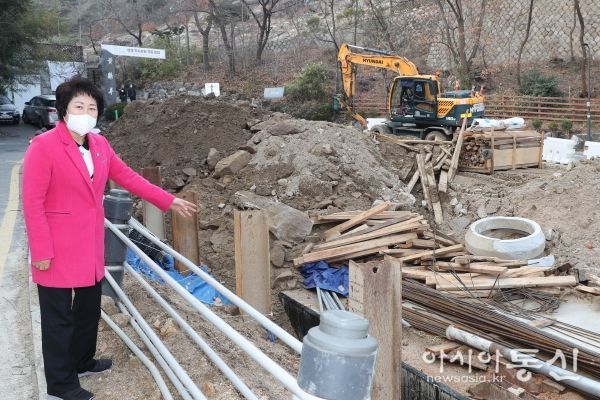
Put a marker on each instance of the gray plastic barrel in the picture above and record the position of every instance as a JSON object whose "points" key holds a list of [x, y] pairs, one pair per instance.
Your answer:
{"points": [[117, 209], [338, 358]]}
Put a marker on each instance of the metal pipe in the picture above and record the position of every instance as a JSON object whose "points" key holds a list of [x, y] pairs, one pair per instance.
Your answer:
{"points": [[161, 361], [338, 301], [288, 381], [229, 295], [330, 302], [177, 369], [162, 386], [214, 357], [563, 376], [589, 90], [320, 298]]}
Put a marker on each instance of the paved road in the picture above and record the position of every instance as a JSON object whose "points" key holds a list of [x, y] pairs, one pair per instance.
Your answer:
{"points": [[18, 380]]}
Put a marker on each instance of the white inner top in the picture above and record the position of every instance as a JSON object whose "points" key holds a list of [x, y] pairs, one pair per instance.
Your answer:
{"points": [[87, 157]]}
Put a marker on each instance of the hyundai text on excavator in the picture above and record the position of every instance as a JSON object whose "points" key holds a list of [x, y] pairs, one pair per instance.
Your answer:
{"points": [[415, 103]]}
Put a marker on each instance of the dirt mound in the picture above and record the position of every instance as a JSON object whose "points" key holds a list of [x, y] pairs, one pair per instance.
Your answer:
{"points": [[178, 132]]}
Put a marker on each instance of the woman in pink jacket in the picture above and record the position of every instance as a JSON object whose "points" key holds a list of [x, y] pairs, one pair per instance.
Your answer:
{"points": [[64, 178]]}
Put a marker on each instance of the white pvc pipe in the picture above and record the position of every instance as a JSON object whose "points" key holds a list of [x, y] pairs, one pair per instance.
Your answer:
{"points": [[214, 357], [162, 386], [177, 369], [245, 307], [161, 361], [562, 376], [288, 381]]}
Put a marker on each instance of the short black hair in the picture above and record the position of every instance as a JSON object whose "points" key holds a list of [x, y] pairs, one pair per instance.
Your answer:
{"points": [[75, 86]]}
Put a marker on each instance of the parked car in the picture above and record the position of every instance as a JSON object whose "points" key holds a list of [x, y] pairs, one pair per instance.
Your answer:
{"points": [[41, 111], [8, 111]]}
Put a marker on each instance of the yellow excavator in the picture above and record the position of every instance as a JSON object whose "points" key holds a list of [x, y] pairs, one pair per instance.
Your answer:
{"points": [[415, 102]]}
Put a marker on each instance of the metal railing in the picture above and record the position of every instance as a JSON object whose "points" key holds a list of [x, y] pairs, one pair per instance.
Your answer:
{"points": [[186, 387]]}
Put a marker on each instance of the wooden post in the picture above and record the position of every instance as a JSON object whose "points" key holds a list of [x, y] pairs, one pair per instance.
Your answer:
{"points": [[153, 216], [185, 234], [457, 149], [376, 294], [423, 178], [252, 259], [434, 196]]}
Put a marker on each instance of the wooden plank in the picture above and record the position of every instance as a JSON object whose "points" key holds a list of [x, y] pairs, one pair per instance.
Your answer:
{"points": [[423, 174], [153, 217], [588, 289], [445, 348], [415, 178], [508, 283], [434, 196], [446, 255], [386, 138], [356, 231], [457, 149], [438, 252], [440, 237], [443, 184], [376, 294], [419, 141], [357, 220], [527, 271], [185, 234], [346, 215], [372, 245], [397, 228], [356, 255], [374, 227], [400, 252], [447, 278], [481, 269], [252, 259], [440, 162], [424, 244]]}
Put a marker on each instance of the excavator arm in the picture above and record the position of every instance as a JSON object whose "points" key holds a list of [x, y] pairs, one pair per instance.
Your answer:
{"points": [[380, 59]]}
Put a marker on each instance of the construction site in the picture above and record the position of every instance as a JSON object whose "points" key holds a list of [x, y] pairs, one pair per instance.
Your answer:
{"points": [[381, 221]]}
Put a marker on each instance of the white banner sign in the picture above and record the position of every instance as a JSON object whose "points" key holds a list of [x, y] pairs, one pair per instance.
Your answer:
{"points": [[212, 88], [134, 51]]}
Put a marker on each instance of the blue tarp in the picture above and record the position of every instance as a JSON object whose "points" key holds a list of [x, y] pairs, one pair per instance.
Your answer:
{"points": [[192, 283], [321, 275]]}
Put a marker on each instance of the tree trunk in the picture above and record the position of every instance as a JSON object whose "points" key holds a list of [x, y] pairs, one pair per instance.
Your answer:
{"points": [[524, 42], [571, 32], [205, 52], [221, 21], [584, 53], [205, 40], [261, 40]]}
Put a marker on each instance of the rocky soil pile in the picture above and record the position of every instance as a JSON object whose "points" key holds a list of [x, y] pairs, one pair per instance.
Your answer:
{"points": [[235, 157], [564, 200]]}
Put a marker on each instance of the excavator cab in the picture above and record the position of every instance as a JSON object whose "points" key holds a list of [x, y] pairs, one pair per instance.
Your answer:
{"points": [[413, 99]]}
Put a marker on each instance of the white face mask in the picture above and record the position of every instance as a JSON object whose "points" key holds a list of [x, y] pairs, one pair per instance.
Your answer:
{"points": [[81, 124]]}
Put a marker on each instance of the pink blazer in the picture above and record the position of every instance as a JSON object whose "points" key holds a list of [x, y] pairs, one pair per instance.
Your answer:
{"points": [[63, 209]]}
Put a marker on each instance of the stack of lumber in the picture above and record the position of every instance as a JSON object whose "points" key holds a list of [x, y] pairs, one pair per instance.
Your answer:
{"points": [[427, 255], [367, 234], [437, 163], [455, 273], [486, 152]]}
